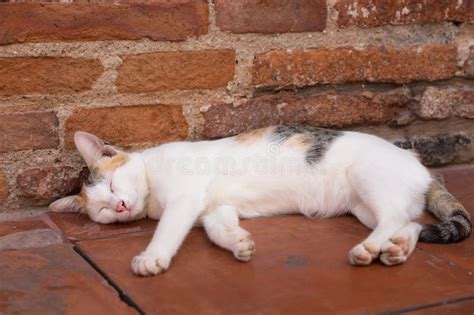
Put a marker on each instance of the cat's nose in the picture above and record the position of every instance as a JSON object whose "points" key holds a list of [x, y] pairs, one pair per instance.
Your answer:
{"points": [[121, 207]]}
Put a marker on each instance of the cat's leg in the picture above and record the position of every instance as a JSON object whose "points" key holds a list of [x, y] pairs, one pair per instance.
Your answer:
{"points": [[364, 253], [383, 221], [222, 227], [393, 238], [400, 245], [382, 204], [174, 225]]}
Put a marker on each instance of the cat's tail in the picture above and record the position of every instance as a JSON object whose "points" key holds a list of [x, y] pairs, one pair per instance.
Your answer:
{"points": [[455, 223]]}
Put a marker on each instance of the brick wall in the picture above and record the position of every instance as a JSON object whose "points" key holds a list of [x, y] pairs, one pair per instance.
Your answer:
{"points": [[140, 73]]}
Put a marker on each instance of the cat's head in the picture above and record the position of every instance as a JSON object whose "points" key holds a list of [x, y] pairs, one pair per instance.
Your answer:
{"points": [[116, 189]]}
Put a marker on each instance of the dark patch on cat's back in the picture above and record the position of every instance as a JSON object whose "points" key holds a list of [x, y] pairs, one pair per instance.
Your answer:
{"points": [[282, 133], [318, 140]]}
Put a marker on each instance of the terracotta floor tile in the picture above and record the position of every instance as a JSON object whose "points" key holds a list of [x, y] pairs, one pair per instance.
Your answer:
{"points": [[300, 267], [54, 280], [32, 232], [30, 239], [461, 254], [8, 227], [79, 227]]}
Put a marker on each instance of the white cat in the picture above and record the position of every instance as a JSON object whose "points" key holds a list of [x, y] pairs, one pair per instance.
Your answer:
{"points": [[276, 170]]}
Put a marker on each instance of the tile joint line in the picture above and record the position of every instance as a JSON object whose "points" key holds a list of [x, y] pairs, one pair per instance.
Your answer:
{"points": [[410, 309], [123, 296]]}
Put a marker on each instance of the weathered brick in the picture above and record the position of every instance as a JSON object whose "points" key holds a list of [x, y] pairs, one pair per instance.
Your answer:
{"points": [[4, 190], [147, 124], [298, 67], [176, 71], [274, 16], [382, 12], [322, 110], [441, 103], [436, 150], [172, 20], [41, 186], [47, 75], [28, 131], [469, 64]]}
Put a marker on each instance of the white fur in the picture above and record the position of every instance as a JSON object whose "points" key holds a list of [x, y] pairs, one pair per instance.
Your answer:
{"points": [[182, 184]]}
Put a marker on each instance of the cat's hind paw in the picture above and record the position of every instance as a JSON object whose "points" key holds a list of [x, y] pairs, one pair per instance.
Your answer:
{"points": [[394, 252], [146, 265], [363, 255], [401, 245], [245, 248]]}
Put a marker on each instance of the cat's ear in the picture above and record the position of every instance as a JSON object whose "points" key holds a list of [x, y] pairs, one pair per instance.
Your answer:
{"points": [[92, 148], [68, 204]]}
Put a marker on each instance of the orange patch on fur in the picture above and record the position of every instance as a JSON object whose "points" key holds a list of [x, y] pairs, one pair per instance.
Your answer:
{"points": [[82, 198], [298, 141], [254, 135], [108, 165]]}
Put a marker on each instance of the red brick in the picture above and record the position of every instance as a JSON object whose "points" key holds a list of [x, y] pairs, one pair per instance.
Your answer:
{"points": [[173, 20], [147, 124], [323, 110], [47, 75], [382, 12], [41, 186], [176, 71], [28, 131], [274, 16], [442, 103], [4, 190], [298, 67]]}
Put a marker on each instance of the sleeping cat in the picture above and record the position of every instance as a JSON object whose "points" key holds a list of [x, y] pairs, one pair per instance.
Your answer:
{"points": [[276, 170]]}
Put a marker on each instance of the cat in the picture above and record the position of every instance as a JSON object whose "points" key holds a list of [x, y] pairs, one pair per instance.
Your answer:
{"points": [[276, 170]]}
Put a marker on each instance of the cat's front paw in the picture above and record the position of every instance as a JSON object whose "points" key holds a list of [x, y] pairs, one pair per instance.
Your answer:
{"points": [[245, 248], [147, 265]]}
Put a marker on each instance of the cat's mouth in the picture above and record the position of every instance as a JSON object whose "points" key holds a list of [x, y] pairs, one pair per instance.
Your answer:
{"points": [[133, 213], [125, 216]]}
